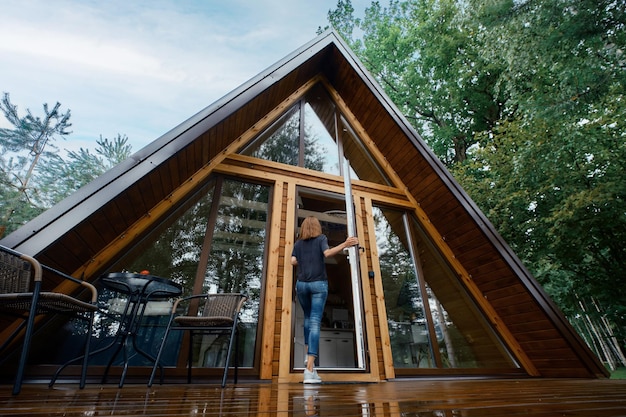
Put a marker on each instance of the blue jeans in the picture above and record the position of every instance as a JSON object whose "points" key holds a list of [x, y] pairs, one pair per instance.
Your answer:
{"points": [[312, 297]]}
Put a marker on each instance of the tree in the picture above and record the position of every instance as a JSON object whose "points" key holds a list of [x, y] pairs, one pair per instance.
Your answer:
{"points": [[556, 171], [25, 148], [33, 176], [525, 102], [62, 177], [425, 55]]}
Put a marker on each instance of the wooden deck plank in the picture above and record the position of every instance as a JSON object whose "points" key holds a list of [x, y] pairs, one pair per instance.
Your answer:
{"points": [[466, 397]]}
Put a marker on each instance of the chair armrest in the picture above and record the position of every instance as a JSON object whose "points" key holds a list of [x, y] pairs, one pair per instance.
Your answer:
{"points": [[37, 272], [37, 267], [20, 285], [183, 300], [92, 289]]}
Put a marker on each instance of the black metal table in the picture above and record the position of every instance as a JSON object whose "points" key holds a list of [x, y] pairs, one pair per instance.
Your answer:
{"points": [[139, 290]]}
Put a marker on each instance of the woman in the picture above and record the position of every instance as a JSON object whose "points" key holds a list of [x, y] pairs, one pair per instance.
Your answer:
{"points": [[312, 285]]}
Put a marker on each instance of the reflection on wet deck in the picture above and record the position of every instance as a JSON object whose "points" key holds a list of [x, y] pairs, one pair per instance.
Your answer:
{"points": [[469, 397]]}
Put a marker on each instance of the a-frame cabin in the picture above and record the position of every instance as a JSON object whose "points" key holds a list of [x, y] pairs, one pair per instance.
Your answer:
{"points": [[216, 202]]}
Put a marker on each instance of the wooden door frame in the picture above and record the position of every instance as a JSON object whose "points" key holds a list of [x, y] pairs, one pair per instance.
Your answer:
{"points": [[285, 372]]}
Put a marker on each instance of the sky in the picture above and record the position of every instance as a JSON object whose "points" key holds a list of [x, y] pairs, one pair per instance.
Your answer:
{"points": [[141, 67]]}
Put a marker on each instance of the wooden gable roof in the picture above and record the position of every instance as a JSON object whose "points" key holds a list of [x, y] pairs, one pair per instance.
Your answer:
{"points": [[69, 235]]}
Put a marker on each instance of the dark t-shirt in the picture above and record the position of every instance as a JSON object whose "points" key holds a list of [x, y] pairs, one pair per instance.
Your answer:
{"points": [[310, 256]]}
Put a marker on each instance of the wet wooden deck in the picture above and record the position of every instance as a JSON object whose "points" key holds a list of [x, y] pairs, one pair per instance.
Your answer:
{"points": [[465, 397]]}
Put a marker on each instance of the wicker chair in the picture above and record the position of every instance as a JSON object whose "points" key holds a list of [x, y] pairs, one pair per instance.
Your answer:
{"points": [[21, 297], [219, 314]]}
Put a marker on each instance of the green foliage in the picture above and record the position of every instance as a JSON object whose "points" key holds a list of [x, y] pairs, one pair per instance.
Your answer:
{"points": [[619, 373], [425, 55], [525, 103], [63, 177], [25, 150], [556, 171], [33, 176], [559, 57]]}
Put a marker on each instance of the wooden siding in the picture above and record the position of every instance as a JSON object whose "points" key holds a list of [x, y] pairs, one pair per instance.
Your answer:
{"points": [[381, 349], [284, 262]]}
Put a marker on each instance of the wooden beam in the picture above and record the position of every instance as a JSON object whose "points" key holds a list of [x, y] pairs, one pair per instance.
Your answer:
{"points": [[286, 341], [271, 281], [385, 339], [371, 352], [111, 250], [363, 135], [490, 313]]}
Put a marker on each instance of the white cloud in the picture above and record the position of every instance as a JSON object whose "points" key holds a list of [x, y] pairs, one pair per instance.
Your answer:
{"points": [[83, 53], [140, 68]]}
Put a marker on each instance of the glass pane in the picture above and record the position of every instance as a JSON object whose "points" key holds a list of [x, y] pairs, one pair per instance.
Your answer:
{"points": [[435, 315], [280, 142], [406, 318], [236, 263], [171, 250], [320, 150], [465, 338], [361, 161]]}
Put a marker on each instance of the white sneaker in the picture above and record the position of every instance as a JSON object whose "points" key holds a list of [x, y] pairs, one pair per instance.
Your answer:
{"points": [[311, 377]]}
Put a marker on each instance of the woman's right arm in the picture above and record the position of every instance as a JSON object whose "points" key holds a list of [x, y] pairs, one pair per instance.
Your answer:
{"points": [[351, 241]]}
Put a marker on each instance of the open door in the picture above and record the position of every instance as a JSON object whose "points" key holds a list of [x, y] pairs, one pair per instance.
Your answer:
{"points": [[341, 338]]}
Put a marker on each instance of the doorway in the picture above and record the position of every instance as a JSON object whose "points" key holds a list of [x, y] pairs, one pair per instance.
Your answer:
{"points": [[341, 336]]}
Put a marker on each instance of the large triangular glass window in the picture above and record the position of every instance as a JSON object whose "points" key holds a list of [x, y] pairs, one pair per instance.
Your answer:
{"points": [[314, 135]]}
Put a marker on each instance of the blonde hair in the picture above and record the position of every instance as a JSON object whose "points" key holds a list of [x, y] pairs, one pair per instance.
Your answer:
{"points": [[310, 228]]}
